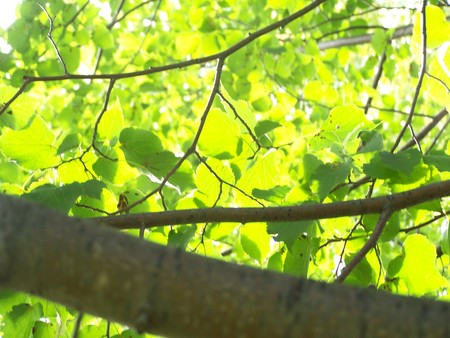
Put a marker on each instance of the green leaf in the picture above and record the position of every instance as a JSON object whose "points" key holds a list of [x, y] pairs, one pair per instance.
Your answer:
{"points": [[8, 299], [379, 41], [111, 123], [265, 126], [419, 270], [220, 135], [436, 25], [342, 127], [18, 36], [298, 257], [71, 141], [328, 176], [20, 320], [29, 10], [288, 232], [386, 165], [362, 275], [440, 160], [181, 236], [144, 150], [277, 194], [44, 329], [20, 113], [255, 241], [209, 187], [320, 92], [103, 37], [370, 141], [64, 198], [261, 175], [275, 262], [71, 56], [31, 147], [262, 104], [187, 42]]}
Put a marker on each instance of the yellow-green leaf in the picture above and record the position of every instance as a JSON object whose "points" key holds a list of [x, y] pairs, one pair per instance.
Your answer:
{"points": [[419, 270], [31, 147], [437, 27], [342, 127], [111, 123], [220, 135]]}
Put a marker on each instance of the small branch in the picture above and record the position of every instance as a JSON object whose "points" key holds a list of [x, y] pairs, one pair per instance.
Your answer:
{"points": [[371, 242], [347, 29], [76, 14], [97, 122], [178, 65], [374, 205], [422, 71], [246, 126], [222, 181], [436, 138], [147, 30], [183, 64], [362, 39], [109, 27], [49, 36], [22, 88], [424, 224], [193, 145], [376, 80], [115, 15], [425, 130], [116, 19]]}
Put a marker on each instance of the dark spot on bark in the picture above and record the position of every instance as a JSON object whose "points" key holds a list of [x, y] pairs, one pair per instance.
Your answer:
{"points": [[294, 295]]}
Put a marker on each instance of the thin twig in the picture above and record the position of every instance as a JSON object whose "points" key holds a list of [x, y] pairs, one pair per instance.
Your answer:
{"points": [[193, 145], [376, 80], [76, 14], [424, 224], [178, 65], [97, 122], [49, 36], [109, 27], [222, 181], [147, 30], [422, 71], [425, 130]]}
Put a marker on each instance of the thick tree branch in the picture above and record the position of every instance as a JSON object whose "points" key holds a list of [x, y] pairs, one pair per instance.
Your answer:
{"points": [[165, 291], [282, 214]]}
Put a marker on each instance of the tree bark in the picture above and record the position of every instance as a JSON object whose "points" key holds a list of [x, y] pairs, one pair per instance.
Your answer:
{"points": [[165, 291]]}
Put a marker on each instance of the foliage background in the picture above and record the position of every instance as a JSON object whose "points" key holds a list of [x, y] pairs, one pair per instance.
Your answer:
{"points": [[293, 122]]}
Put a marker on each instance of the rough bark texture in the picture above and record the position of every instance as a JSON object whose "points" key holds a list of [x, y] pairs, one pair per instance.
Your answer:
{"points": [[165, 291]]}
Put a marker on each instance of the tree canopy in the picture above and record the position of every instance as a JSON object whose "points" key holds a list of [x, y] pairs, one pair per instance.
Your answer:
{"points": [[308, 138]]}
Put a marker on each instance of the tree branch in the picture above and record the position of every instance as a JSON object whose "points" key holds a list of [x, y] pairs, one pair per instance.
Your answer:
{"points": [[362, 39], [281, 214], [372, 241], [165, 291]]}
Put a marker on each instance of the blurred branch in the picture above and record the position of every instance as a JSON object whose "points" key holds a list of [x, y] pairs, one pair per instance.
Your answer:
{"points": [[362, 39]]}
